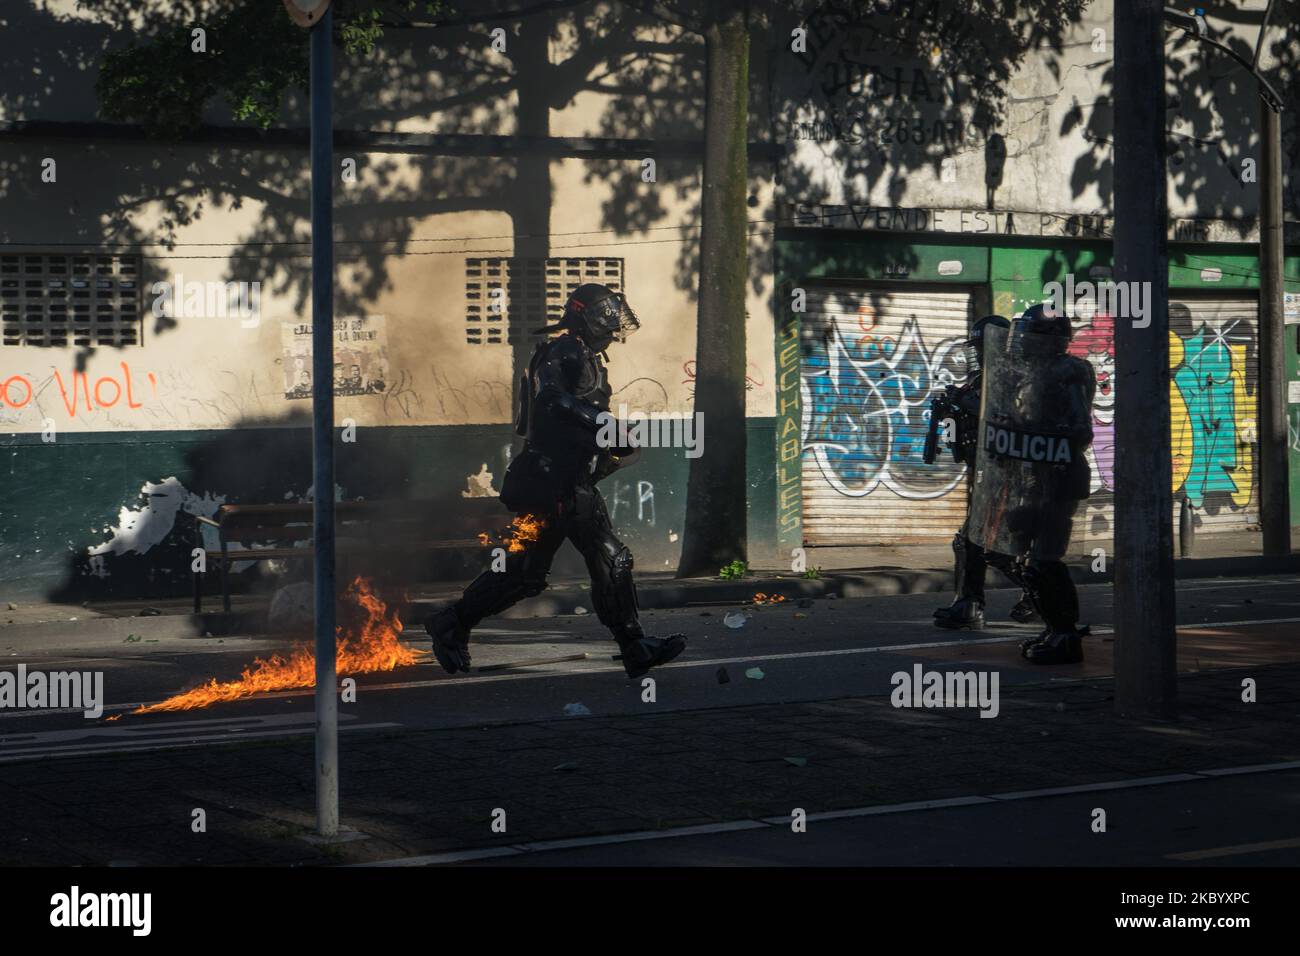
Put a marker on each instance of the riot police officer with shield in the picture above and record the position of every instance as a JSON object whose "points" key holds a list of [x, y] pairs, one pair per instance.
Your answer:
{"points": [[1031, 473], [551, 485], [961, 404]]}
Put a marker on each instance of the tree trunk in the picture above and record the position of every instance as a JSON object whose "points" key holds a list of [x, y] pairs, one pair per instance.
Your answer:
{"points": [[715, 529]]}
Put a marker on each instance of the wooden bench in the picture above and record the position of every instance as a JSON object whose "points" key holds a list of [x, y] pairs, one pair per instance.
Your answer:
{"points": [[283, 532]]}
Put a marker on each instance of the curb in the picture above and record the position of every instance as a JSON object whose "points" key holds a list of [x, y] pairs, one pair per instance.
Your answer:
{"points": [[654, 592]]}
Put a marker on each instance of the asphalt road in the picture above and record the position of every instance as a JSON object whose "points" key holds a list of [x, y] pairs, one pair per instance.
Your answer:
{"points": [[1198, 823], [837, 648]]}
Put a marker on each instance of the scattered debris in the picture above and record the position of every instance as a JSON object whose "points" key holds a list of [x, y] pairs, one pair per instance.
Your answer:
{"points": [[132, 639], [576, 710], [799, 614], [755, 673], [735, 620], [723, 676], [579, 610], [763, 599], [149, 612], [796, 761], [13, 606], [570, 765]]}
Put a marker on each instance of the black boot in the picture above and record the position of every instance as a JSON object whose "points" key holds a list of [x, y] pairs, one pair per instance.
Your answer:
{"points": [[450, 640], [640, 653], [1024, 611], [1032, 642], [964, 614], [1058, 647]]}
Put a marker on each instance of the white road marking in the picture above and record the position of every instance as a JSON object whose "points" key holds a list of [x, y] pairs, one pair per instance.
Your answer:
{"points": [[100, 738], [918, 806]]}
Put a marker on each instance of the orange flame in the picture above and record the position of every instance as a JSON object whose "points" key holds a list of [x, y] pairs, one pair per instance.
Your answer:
{"points": [[523, 531], [375, 646]]}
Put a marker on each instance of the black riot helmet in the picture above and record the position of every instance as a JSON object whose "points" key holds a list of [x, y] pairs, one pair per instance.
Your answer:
{"points": [[975, 344], [1041, 328], [598, 314]]}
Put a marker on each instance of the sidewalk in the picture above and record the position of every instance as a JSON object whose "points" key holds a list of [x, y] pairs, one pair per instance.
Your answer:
{"points": [[844, 572], [430, 791]]}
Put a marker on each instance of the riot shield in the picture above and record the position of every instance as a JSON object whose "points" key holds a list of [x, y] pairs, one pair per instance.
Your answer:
{"points": [[1035, 424]]}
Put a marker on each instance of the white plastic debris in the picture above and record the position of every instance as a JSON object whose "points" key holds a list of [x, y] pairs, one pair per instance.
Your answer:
{"points": [[579, 610], [735, 620], [576, 710]]}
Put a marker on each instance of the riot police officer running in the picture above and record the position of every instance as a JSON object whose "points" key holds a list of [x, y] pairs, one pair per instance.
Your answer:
{"points": [[563, 404], [1031, 473], [963, 404]]}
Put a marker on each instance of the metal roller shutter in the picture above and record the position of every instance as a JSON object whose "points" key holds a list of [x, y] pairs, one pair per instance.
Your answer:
{"points": [[1214, 360], [872, 360]]}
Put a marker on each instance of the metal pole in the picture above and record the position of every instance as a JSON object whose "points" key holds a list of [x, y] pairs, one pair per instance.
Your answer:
{"points": [[1274, 481], [322, 392], [1145, 642]]}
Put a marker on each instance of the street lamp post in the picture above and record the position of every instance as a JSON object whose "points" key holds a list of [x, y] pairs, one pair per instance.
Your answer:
{"points": [[316, 16]]}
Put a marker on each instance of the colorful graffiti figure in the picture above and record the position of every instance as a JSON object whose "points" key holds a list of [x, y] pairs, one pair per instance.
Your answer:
{"points": [[1095, 342], [866, 408], [1212, 416]]}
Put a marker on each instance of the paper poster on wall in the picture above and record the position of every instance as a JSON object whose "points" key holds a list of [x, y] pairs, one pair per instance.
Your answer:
{"points": [[360, 357]]}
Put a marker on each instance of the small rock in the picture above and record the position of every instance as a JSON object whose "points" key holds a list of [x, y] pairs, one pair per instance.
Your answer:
{"points": [[576, 710], [723, 676], [293, 607], [755, 673]]}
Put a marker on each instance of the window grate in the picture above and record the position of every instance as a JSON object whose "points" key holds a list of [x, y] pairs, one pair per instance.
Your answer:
{"points": [[531, 293], [61, 299]]}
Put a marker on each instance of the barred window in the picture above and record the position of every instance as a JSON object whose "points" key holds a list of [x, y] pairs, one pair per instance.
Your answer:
{"points": [[507, 297], [65, 299]]}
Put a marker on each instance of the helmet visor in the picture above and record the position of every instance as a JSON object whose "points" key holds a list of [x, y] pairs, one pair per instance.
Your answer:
{"points": [[613, 317]]}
